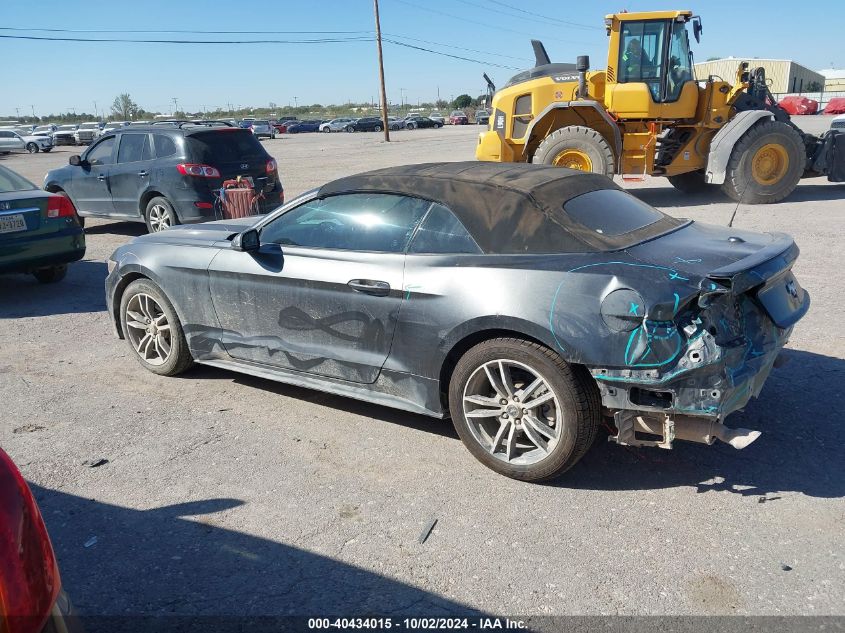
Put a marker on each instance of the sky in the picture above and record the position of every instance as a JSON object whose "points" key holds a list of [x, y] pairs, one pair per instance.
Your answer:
{"points": [[61, 76]]}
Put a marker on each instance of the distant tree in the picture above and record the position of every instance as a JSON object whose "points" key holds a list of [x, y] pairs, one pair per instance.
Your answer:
{"points": [[123, 107], [441, 103], [814, 86], [713, 59], [462, 101]]}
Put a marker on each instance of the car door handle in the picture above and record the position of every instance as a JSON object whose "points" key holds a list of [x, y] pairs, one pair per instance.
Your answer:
{"points": [[101, 177], [370, 286], [143, 173]]}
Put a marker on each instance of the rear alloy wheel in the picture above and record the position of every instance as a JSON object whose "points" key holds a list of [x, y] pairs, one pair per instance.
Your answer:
{"points": [[50, 275], [152, 329], [377, 128], [411, 126], [576, 147], [521, 410], [766, 163], [160, 215], [32, 148]]}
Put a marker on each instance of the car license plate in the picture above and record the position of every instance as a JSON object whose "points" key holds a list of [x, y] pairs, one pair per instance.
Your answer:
{"points": [[12, 223]]}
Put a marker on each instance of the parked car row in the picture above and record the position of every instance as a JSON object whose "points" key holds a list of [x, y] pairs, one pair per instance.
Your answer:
{"points": [[19, 141]]}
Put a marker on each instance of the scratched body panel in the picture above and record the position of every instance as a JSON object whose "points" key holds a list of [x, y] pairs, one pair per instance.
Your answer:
{"points": [[668, 316]]}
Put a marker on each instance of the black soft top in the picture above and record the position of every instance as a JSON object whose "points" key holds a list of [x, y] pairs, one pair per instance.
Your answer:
{"points": [[507, 207]]}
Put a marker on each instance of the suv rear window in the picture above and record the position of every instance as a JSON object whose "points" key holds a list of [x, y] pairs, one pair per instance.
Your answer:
{"points": [[611, 212], [228, 146]]}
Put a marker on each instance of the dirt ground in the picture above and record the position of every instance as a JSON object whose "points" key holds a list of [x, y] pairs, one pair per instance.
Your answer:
{"points": [[225, 494]]}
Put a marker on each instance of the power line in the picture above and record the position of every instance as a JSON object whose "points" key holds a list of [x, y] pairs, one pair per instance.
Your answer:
{"points": [[146, 41], [530, 16], [546, 17], [476, 22], [17, 28], [460, 48], [466, 59]]}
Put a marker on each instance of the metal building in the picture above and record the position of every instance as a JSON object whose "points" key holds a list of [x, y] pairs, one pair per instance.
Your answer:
{"points": [[784, 75], [834, 79]]}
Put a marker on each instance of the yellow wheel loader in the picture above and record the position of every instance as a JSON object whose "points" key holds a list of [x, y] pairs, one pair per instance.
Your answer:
{"points": [[647, 114]]}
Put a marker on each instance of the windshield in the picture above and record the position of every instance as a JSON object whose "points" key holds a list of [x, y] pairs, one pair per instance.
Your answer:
{"points": [[88, 126], [10, 181], [261, 122], [67, 127], [43, 128]]}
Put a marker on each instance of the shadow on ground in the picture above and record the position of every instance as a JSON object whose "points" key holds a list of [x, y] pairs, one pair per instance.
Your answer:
{"points": [[81, 291], [669, 197], [175, 561], [801, 449], [129, 229]]}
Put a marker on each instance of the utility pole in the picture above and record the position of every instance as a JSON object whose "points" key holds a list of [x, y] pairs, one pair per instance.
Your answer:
{"points": [[295, 102], [33, 111], [18, 110], [381, 76], [96, 114], [176, 105]]}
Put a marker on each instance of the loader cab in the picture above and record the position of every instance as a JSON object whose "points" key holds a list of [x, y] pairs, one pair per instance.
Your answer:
{"points": [[649, 67]]}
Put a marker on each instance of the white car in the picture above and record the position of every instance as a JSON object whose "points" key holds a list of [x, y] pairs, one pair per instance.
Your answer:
{"points": [[335, 125], [11, 141], [66, 135], [838, 123], [88, 133], [436, 116], [114, 125]]}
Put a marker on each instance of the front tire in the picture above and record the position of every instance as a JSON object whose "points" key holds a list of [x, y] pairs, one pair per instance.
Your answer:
{"points": [[521, 410], [152, 329], [50, 275], [766, 163], [576, 147], [411, 126], [160, 215], [32, 148], [377, 128]]}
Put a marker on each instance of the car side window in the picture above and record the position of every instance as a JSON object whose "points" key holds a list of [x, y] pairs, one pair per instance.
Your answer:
{"points": [[134, 148], [164, 146], [441, 233], [101, 153], [355, 222]]}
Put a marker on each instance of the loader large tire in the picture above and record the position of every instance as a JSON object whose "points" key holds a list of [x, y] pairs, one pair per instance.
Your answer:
{"points": [[766, 163], [576, 147]]}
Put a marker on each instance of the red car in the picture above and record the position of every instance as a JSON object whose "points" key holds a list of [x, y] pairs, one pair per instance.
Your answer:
{"points": [[458, 118], [31, 595]]}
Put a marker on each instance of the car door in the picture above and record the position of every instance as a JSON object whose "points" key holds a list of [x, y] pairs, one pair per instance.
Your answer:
{"points": [[90, 182], [322, 294], [130, 175], [11, 142]]}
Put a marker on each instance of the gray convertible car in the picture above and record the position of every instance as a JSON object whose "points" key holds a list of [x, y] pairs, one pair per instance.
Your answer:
{"points": [[524, 302]]}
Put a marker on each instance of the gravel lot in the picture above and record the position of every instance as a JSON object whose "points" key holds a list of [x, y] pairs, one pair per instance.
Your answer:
{"points": [[225, 494]]}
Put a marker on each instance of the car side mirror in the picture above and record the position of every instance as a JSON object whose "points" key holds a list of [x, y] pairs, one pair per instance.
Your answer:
{"points": [[75, 160], [247, 241]]}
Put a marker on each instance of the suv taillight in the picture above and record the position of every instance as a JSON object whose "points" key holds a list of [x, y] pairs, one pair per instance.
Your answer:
{"points": [[29, 575], [59, 207], [201, 171], [271, 165]]}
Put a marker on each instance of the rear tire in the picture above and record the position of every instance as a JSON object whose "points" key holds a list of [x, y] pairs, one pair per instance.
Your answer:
{"points": [[50, 275], [350, 129], [377, 128], [506, 441], [160, 215], [766, 163], [576, 147], [163, 352], [411, 126], [691, 182]]}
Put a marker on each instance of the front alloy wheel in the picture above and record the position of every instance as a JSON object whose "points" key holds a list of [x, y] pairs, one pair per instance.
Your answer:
{"points": [[152, 329], [148, 329]]}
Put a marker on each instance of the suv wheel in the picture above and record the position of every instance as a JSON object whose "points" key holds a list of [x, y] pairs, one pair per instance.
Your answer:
{"points": [[411, 126], [160, 215], [521, 410], [32, 148], [349, 128], [377, 128]]}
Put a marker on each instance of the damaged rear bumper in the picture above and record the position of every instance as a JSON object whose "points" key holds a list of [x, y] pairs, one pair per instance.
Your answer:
{"points": [[707, 356]]}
